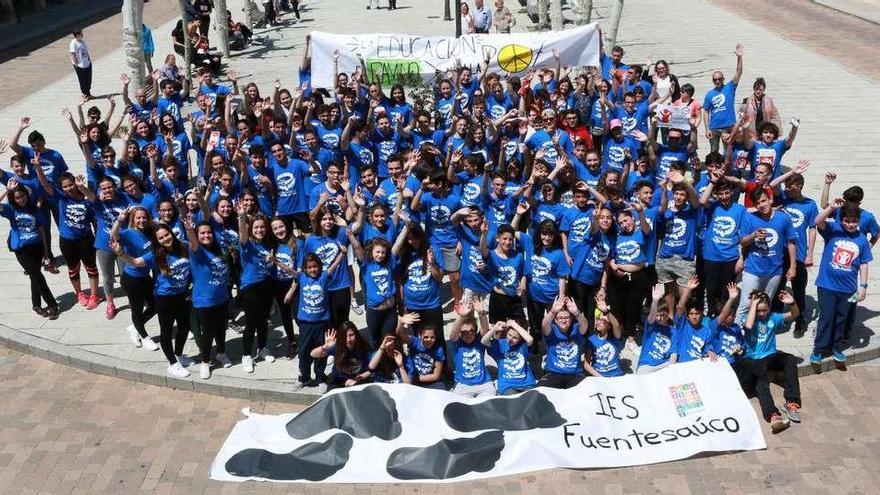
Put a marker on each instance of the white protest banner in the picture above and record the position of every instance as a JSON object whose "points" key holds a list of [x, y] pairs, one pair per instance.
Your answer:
{"points": [[402, 433], [674, 117], [411, 57]]}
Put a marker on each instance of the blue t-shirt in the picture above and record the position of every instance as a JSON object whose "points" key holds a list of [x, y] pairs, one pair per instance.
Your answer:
{"points": [[761, 340], [395, 376], [135, 244], [613, 156], [680, 229], [513, 365], [420, 289], [803, 215], [693, 343], [506, 272], [721, 241], [75, 216], [543, 270], [327, 248], [470, 362], [438, 222], [425, 359], [606, 354], [385, 146], [725, 340], [764, 258], [721, 106], [379, 282], [284, 255], [290, 182], [629, 248], [475, 272], [51, 161], [210, 275], [254, 267], [564, 350], [635, 121], [312, 298], [843, 254], [24, 226], [665, 158], [768, 154], [590, 257], [176, 281], [541, 139], [470, 190], [658, 344]]}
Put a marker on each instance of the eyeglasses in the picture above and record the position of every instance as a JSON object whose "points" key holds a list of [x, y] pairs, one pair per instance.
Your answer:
{"points": [[548, 119]]}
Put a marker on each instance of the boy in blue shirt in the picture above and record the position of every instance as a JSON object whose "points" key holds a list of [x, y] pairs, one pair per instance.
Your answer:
{"points": [[761, 358], [660, 340], [803, 212], [508, 344], [471, 376]]}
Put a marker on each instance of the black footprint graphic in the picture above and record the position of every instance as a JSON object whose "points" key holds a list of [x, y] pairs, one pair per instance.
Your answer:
{"points": [[366, 413], [447, 458], [312, 462], [529, 411]]}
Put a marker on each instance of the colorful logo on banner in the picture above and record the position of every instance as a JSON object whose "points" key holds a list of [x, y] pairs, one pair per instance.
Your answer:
{"points": [[686, 399]]}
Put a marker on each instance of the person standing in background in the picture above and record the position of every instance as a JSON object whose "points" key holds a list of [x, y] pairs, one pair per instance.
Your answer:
{"points": [[503, 18], [482, 18], [204, 8], [149, 47], [82, 63]]}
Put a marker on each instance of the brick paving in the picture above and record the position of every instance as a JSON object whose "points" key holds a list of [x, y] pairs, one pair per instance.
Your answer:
{"points": [[70, 431]]}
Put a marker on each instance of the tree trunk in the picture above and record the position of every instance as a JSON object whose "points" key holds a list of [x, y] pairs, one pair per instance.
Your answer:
{"points": [[187, 43], [616, 14], [556, 15], [133, 42], [221, 23]]}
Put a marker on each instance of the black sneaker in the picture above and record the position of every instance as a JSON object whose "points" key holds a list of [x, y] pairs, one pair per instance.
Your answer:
{"points": [[800, 328]]}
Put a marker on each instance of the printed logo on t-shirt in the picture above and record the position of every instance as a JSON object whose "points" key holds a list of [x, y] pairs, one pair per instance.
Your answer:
{"points": [[75, 216], [695, 349], [417, 276], [313, 297], [675, 231], [767, 156], [844, 254], [718, 103], [286, 184], [723, 228], [604, 358], [797, 217], [540, 267], [567, 354], [470, 363], [514, 365], [628, 251], [506, 276], [661, 346], [440, 214], [770, 240], [330, 140]]}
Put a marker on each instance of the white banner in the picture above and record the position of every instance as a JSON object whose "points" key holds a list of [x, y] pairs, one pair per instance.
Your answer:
{"points": [[402, 433], [674, 117], [410, 56]]}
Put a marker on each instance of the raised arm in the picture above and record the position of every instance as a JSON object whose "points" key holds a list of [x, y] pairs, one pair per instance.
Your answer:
{"points": [[681, 307], [739, 64]]}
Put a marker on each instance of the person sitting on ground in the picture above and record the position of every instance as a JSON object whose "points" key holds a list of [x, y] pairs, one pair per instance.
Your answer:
{"points": [[427, 354], [508, 344], [659, 343], [389, 364], [351, 357], [602, 353], [564, 329], [471, 377], [763, 358]]}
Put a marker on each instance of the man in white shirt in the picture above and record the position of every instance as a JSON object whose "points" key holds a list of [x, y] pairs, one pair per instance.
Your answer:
{"points": [[82, 63], [482, 17]]}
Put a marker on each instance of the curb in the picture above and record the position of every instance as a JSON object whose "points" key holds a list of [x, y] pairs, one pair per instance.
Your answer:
{"points": [[237, 388], [832, 6], [150, 373]]}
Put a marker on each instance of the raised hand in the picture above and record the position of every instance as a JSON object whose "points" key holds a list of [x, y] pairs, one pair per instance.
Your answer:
{"points": [[24, 123], [801, 167], [409, 318], [330, 337], [558, 304], [658, 291], [693, 282], [732, 290], [571, 306], [786, 297], [830, 177]]}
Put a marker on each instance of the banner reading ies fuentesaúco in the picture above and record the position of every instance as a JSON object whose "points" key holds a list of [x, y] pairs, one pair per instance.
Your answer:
{"points": [[402, 433]]}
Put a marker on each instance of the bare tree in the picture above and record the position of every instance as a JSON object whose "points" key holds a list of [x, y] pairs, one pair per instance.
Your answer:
{"points": [[556, 15], [221, 23], [187, 43], [132, 40]]}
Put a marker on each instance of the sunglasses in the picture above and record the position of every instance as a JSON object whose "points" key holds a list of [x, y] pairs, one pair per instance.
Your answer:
{"points": [[717, 79]]}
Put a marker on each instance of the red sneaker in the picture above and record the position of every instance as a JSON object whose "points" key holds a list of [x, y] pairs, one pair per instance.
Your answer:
{"points": [[82, 298], [93, 302]]}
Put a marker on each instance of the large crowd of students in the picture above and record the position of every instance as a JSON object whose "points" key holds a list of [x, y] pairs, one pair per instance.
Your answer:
{"points": [[566, 220]]}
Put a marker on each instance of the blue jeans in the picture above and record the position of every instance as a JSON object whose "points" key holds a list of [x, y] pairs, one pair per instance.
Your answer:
{"points": [[833, 309]]}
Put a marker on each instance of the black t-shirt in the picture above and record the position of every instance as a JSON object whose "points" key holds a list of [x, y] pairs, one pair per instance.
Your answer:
{"points": [[204, 6]]}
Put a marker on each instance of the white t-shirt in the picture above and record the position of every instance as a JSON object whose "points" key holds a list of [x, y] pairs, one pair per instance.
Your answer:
{"points": [[81, 53]]}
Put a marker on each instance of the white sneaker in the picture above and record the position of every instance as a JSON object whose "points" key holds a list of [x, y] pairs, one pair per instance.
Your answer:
{"points": [[223, 360], [322, 388], [235, 327], [134, 335], [265, 355], [357, 308], [149, 344], [633, 347], [205, 371], [177, 371], [247, 363], [185, 360]]}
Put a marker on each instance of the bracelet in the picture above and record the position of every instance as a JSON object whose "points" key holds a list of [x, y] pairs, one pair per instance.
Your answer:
{"points": [[863, 286]]}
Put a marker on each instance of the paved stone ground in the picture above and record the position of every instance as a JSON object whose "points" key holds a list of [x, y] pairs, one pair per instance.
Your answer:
{"points": [[799, 79], [70, 431]]}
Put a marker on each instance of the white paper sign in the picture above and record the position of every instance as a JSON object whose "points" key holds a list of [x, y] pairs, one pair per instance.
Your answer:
{"points": [[416, 56], [403, 433], [674, 117]]}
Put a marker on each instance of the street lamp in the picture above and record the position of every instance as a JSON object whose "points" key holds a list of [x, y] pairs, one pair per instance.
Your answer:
{"points": [[447, 15]]}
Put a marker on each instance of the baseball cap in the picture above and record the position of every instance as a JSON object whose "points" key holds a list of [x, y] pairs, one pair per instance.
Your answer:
{"points": [[615, 123]]}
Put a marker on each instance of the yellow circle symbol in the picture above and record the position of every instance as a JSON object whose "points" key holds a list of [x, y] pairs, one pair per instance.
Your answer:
{"points": [[514, 58]]}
